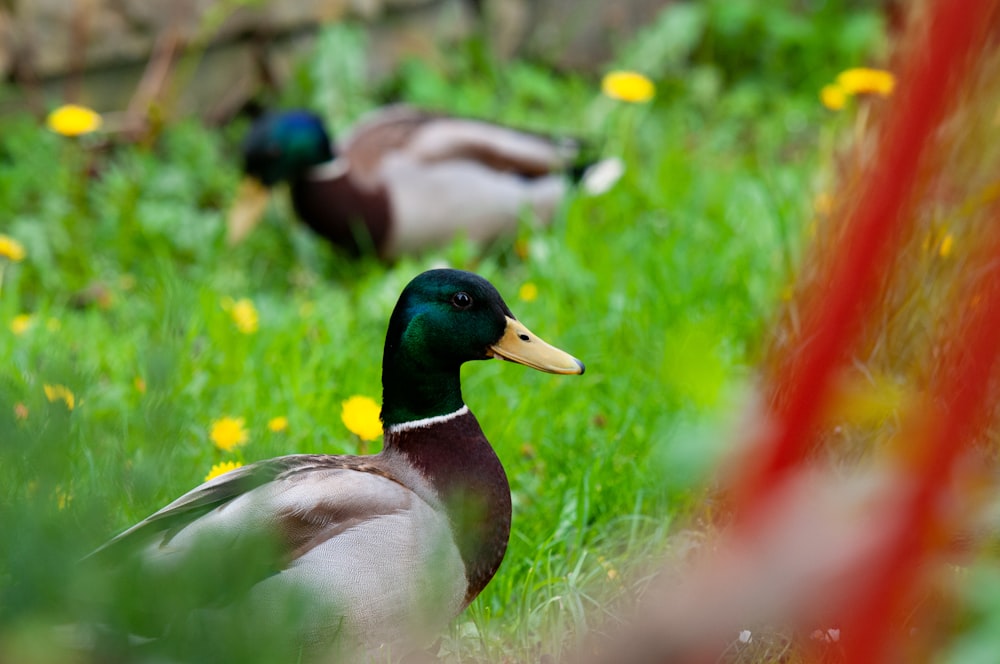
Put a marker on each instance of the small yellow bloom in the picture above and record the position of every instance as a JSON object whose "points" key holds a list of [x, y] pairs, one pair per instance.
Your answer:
{"points": [[528, 292], [140, 384], [361, 416], [863, 80], [73, 120], [823, 203], [869, 400], [228, 433], [833, 96], [56, 392], [21, 324], [222, 468], [11, 248], [628, 86], [278, 424], [243, 313], [63, 498], [611, 571], [946, 245]]}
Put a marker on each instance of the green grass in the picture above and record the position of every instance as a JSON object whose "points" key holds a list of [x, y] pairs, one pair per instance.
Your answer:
{"points": [[663, 286]]}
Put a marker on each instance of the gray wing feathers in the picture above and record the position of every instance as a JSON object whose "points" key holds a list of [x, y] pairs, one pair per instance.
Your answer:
{"points": [[433, 138], [501, 147], [301, 498]]}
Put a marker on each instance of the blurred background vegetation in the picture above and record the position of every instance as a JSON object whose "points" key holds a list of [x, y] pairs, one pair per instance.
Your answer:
{"points": [[119, 346]]}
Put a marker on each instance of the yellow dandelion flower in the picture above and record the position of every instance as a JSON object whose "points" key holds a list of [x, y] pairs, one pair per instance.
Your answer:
{"points": [[73, 120], [833, 96], [277, 424], [361, 416], [56, 392], [863, 80], [244, 314], [946, 245], [11, 248], [629, 86], [21, 324], [20, 411], [222, 468], [528, 292], [228, 433]]}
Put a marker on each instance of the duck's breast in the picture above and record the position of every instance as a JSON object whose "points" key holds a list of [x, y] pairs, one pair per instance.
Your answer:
{"points": [[339, 209]]}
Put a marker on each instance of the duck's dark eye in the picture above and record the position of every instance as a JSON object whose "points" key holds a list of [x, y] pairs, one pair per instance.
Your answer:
{"points": [[461, 300]]}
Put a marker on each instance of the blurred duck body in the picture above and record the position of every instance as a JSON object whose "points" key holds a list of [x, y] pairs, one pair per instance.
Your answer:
{"points": [[403, 180]]}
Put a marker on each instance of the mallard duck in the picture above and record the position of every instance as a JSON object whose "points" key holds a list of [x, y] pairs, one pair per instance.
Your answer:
{"points": [[404, 180], [391, 545]]}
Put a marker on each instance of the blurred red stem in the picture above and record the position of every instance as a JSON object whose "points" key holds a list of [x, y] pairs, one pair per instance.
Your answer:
{"points": [[960, 407], [833, 315]]}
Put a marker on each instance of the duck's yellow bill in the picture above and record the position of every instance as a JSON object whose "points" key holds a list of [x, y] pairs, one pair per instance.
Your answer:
{"points": [[519, 344], [247, 210]]}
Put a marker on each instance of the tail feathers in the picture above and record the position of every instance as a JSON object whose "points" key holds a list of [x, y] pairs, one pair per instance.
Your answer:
{"points": [[598, 177]]}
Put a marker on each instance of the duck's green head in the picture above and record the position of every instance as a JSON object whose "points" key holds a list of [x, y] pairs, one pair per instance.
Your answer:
{"points": [[280, 146], [445, 318]]}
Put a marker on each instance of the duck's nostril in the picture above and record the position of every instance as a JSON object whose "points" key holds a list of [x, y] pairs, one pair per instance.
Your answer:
{"points": [[524, 337]]}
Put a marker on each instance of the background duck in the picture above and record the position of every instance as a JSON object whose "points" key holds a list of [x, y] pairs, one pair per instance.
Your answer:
{"points": [[404, 179], [388, 547]]}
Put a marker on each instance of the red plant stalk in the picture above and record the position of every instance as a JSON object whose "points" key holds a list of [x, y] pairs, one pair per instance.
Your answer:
{"points": [[928, 79], [958, 409]]}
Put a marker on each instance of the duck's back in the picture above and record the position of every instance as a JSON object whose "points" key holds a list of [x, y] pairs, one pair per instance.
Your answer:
{"points": [[377, 135]]}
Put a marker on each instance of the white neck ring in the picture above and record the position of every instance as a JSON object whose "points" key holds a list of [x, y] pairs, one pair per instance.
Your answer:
{"points": [[427, 421]]}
